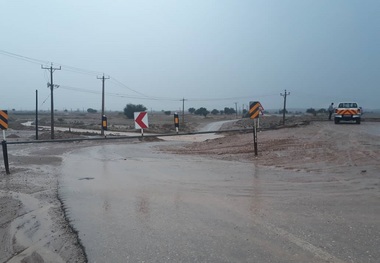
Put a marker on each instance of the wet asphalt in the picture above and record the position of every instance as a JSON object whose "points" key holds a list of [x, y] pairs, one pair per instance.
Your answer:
{"points": [[131, 203]]}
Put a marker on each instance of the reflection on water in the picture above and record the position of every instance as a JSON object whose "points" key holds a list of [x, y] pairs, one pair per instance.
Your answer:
{"points": [[142, 207], [256, 193]]}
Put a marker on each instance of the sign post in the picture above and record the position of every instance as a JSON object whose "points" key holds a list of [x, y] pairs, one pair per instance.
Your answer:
{"points": [[254, 111], [104, 123], [176, 122], [4, 126], [255, 136], [141, 121]]}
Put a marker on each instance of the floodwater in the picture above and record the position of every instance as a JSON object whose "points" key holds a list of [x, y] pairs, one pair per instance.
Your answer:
{"points": [[133, 204]]}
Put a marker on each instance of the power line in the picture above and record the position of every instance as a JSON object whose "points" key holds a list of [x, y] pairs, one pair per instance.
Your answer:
{"points": [[79, 89], [45, 100], [140, 93], [230, 98], [119, 83], [120, 95], [124, 95], [39, 61], [80, 70], [20, 57]]}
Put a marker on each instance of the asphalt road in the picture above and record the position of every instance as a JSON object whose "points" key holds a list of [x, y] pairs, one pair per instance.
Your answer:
{"points": [[131, 203]]}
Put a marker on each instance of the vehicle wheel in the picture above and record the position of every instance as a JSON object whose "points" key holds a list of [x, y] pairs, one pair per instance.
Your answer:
{"points": [[358, 121], [336, 121]]}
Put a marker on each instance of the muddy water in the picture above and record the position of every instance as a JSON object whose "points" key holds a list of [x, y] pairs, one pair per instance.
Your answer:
{"points": [[133, 204]]}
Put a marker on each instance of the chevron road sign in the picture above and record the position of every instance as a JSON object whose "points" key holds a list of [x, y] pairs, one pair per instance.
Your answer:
{"points": [[141, 120]]}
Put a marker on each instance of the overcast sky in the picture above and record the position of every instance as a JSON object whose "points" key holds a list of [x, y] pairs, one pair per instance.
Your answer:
{"points": [[212, 53]]}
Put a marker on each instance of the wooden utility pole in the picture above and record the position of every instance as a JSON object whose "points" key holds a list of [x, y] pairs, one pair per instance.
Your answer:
{"points": [[284, 109], [183, 111], [36, 121], [51, 69], [103, 80]]}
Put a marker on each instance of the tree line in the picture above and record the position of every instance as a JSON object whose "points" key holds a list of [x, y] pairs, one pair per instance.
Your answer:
{"points": [[204, 112], [130, 109]]}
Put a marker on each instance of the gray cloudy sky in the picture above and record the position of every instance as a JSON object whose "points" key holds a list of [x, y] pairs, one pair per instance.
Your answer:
{"points": [[212, 53]]}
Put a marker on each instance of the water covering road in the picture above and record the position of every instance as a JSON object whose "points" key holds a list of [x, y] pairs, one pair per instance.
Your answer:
{"points": [[133, 204], [215, 126], [130, 203]]}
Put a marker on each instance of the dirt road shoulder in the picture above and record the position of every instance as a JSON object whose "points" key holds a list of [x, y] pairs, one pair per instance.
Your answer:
{"points": [[33, 226]]}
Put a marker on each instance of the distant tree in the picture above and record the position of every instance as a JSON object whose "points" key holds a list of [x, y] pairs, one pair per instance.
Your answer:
{"points": [[322, 111], [202, 111], [91, 110], [130, 109], [168, 112], [281, 111], [221, 112], [311, 111], [229, 111], [214, 112], [191, 110]]}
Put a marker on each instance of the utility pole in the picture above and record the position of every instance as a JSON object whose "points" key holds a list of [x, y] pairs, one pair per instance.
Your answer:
{"points": [[183, 111], [236, 110], [36, 121], [51, 69], [103, 80], [284, 110]]}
